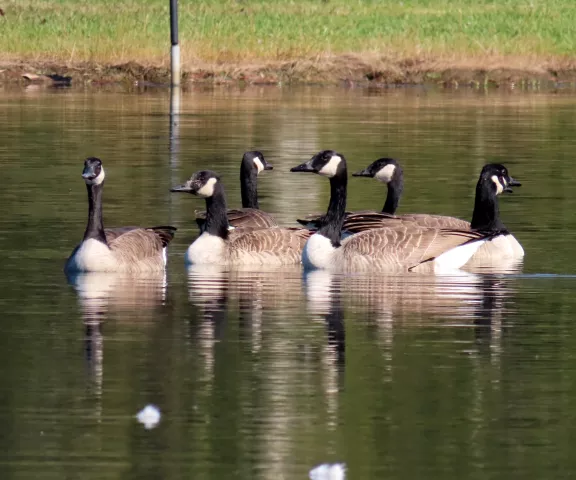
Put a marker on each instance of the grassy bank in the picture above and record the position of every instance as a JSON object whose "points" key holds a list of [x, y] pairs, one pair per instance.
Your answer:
{"points": [[299, 37]]}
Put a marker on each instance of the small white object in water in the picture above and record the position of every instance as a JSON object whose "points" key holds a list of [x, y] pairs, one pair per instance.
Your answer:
{"points": [[328, 471], [149, 416]]}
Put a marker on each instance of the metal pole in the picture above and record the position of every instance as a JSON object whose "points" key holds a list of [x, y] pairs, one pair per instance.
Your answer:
{"points": [[175, 50]]}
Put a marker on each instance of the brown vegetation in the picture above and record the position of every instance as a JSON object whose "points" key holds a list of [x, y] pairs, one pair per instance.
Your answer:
{"points": [[336, 69]]}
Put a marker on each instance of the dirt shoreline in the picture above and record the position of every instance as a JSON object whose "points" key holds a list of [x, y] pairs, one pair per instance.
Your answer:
{"points": [[346, 70]]}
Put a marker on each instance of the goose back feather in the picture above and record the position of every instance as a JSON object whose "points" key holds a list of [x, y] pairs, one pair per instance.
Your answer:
{"points": [[269, 246], [366, 220]]}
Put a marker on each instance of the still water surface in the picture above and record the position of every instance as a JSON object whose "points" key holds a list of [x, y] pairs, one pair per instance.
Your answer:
{"points": [[264, 374]]}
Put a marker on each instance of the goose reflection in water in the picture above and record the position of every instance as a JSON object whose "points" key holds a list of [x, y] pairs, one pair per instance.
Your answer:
{"points": [[273, 333], [213, 288], [386, 302], [102, 295]]}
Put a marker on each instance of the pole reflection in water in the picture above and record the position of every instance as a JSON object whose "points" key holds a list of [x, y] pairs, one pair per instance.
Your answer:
{"points": [[174, 127]]}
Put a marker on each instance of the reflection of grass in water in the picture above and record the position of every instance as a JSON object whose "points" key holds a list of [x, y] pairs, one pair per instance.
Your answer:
{"points": [[252, 30]]}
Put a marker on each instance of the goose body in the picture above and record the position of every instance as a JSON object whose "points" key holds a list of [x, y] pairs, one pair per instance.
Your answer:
{"points": [[402, 246], [395, 249], [125, 249], [493, 181], [249, 215], [218, 245]]}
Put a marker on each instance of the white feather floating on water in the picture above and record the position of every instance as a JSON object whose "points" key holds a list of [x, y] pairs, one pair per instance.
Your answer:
{"points": [[328, 471], [149, 416]]}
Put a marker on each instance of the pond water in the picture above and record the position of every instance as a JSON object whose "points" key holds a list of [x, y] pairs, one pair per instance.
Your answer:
{"points": [[265, 374]]}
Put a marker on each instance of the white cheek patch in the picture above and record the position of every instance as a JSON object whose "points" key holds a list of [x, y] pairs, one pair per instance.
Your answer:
{"points": [[385, 174], [499, 187], [98, 180], [329, 170], [207, 190], [259, 164]]}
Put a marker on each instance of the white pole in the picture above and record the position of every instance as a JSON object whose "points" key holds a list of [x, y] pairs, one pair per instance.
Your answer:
{"points": [[175, 65]]}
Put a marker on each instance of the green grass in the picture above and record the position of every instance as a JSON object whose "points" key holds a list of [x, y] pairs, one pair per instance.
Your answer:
{"points": [[244, 31]]}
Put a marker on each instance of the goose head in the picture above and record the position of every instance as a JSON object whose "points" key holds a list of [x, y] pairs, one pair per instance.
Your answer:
{"points": [[93, 173], [384, 170], [496, 177], [254, 160], [327, 163], [202, 184]]}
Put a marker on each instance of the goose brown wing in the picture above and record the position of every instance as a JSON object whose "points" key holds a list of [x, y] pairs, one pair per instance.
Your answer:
{"points": [[165, 233], [405, 245], [113, 233], [299, 231], [286, 243], [437, 221], [362, 221], [242, 217], [138, 244]]}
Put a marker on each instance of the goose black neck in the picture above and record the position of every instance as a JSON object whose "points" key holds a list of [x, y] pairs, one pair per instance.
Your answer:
{"points": [[216, 218], [95, 226], [486, 216], [248, 186], [395, 187], [332, 226]]}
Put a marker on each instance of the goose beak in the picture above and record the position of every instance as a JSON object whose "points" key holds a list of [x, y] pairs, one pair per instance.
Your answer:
{"points": [[89, 172], [512, 183], [184, 188], [268, 166], [362, 173], [304, 167]]}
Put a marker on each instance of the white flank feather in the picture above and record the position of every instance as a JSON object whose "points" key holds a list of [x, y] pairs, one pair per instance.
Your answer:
{"points": [[456, 257]]}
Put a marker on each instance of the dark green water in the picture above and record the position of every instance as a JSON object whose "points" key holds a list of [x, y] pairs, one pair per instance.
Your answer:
{"points": [[263, 375]]}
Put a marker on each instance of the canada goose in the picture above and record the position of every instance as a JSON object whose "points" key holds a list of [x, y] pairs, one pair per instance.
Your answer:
{"points": [[250, 214], [125, 249], [243, 246], [400, 247], [494, 180]]}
